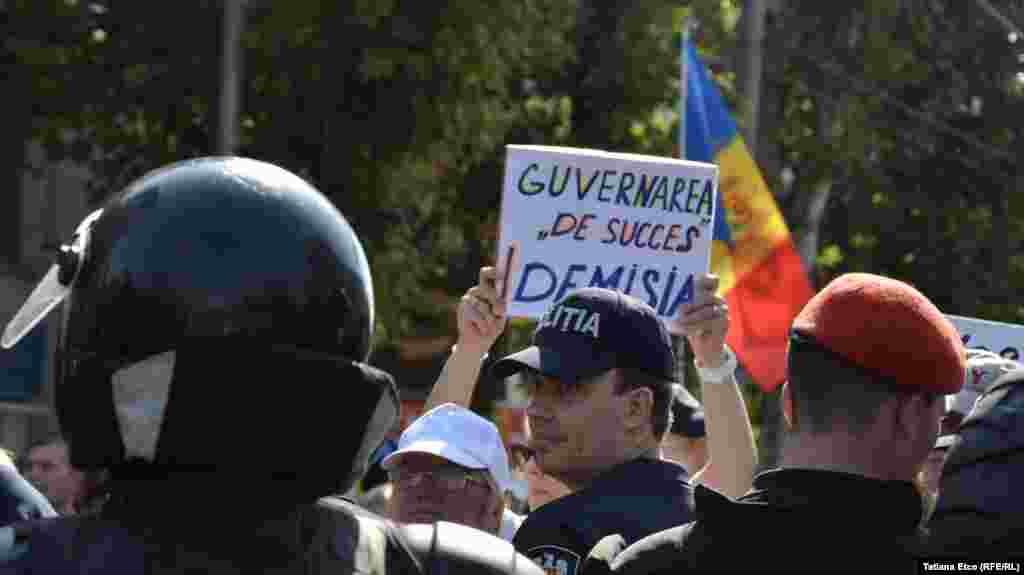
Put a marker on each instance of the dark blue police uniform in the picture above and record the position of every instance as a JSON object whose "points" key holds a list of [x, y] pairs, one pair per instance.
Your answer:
{"points": [[633, 499], [590, 332]]}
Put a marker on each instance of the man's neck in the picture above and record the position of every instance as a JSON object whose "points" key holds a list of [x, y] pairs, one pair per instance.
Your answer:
{"points": [[65, 507], [648, 452], [580, 481], [839, 452]]}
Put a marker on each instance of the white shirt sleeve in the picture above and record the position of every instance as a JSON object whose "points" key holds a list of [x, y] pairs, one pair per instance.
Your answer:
{"points": [[510, 522]]}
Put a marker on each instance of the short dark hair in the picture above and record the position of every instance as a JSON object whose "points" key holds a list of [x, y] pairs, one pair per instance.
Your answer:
{"points": [[48, 439], [661, 390], [827, 390]]}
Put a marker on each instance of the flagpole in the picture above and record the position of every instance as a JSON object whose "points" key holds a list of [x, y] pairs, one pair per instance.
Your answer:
{"points": [[229, 108], [683, 81], [754, 23], [679, 341]]}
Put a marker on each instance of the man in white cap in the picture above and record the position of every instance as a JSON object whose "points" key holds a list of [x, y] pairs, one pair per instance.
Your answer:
{"points": [[451, 466], [983, 368]]}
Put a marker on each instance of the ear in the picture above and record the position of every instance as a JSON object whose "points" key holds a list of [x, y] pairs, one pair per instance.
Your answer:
{"points": [[495, 511], [906, 414], [787, 407], [638, 407]]}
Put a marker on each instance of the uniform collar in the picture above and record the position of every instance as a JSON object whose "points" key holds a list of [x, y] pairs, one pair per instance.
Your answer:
{"points": [[839, 493], [649, 468]]}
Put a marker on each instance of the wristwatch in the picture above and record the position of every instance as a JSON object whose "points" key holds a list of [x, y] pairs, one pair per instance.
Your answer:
{"points": [[720, 373]]}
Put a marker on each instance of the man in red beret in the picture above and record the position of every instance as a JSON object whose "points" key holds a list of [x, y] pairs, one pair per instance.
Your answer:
{"points": [[870, 360]]}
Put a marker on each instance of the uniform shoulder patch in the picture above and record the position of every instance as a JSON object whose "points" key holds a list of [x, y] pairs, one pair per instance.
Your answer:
{"points": [[554, 560]]}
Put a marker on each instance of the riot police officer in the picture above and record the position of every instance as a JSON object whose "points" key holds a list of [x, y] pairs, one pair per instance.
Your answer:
{"points": [[216, 317]]}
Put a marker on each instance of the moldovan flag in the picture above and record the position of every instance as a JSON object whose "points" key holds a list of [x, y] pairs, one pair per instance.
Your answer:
{"points": [[761, 275]]}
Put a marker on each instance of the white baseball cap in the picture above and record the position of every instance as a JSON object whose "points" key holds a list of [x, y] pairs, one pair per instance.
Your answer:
{"points": [[983, 367], [455, 433]]}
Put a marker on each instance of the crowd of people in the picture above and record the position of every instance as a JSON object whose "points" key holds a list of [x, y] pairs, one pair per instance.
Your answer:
{"points": [[217, 412]]}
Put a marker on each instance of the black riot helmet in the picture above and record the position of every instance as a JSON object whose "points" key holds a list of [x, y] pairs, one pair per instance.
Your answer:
{"points": [[216, 316]]}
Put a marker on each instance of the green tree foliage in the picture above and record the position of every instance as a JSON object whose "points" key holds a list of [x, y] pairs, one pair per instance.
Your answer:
{"points": [[399, 111], [122, 91], [899, 121], [389, 107], [911, 111], [385, 106], [904, 116]]}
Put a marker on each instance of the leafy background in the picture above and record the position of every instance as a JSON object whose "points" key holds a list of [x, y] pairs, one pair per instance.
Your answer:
{"points": [[889, 130]]}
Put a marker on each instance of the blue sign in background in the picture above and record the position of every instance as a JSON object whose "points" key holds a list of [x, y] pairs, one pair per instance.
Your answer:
{"points": [[23, 368]]}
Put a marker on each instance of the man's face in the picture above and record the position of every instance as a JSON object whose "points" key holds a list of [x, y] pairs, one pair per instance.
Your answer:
{"points": [[428, 488], [931, 471], [577, 430], [48, 469], [921, 417]]}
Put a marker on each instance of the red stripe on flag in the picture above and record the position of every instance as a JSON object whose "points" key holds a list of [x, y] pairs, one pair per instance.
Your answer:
{"points": [[762, 306]]}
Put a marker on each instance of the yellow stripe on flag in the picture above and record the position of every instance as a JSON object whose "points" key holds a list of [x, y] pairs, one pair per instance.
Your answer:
{"points": [[756, 225]]}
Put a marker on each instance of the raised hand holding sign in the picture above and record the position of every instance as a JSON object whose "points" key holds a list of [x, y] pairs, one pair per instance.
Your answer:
{"points": [[705, 323]]}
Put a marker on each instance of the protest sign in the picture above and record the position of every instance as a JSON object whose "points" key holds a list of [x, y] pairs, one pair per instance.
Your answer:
{"points": [[1006, 339], [579, 218]]}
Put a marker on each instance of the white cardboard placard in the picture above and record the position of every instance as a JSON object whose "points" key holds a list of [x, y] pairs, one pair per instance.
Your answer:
{"points": [[1006, 339], [580, 217]]}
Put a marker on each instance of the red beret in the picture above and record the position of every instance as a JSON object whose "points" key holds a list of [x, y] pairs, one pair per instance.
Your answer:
{"points": [[888, 327]]}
